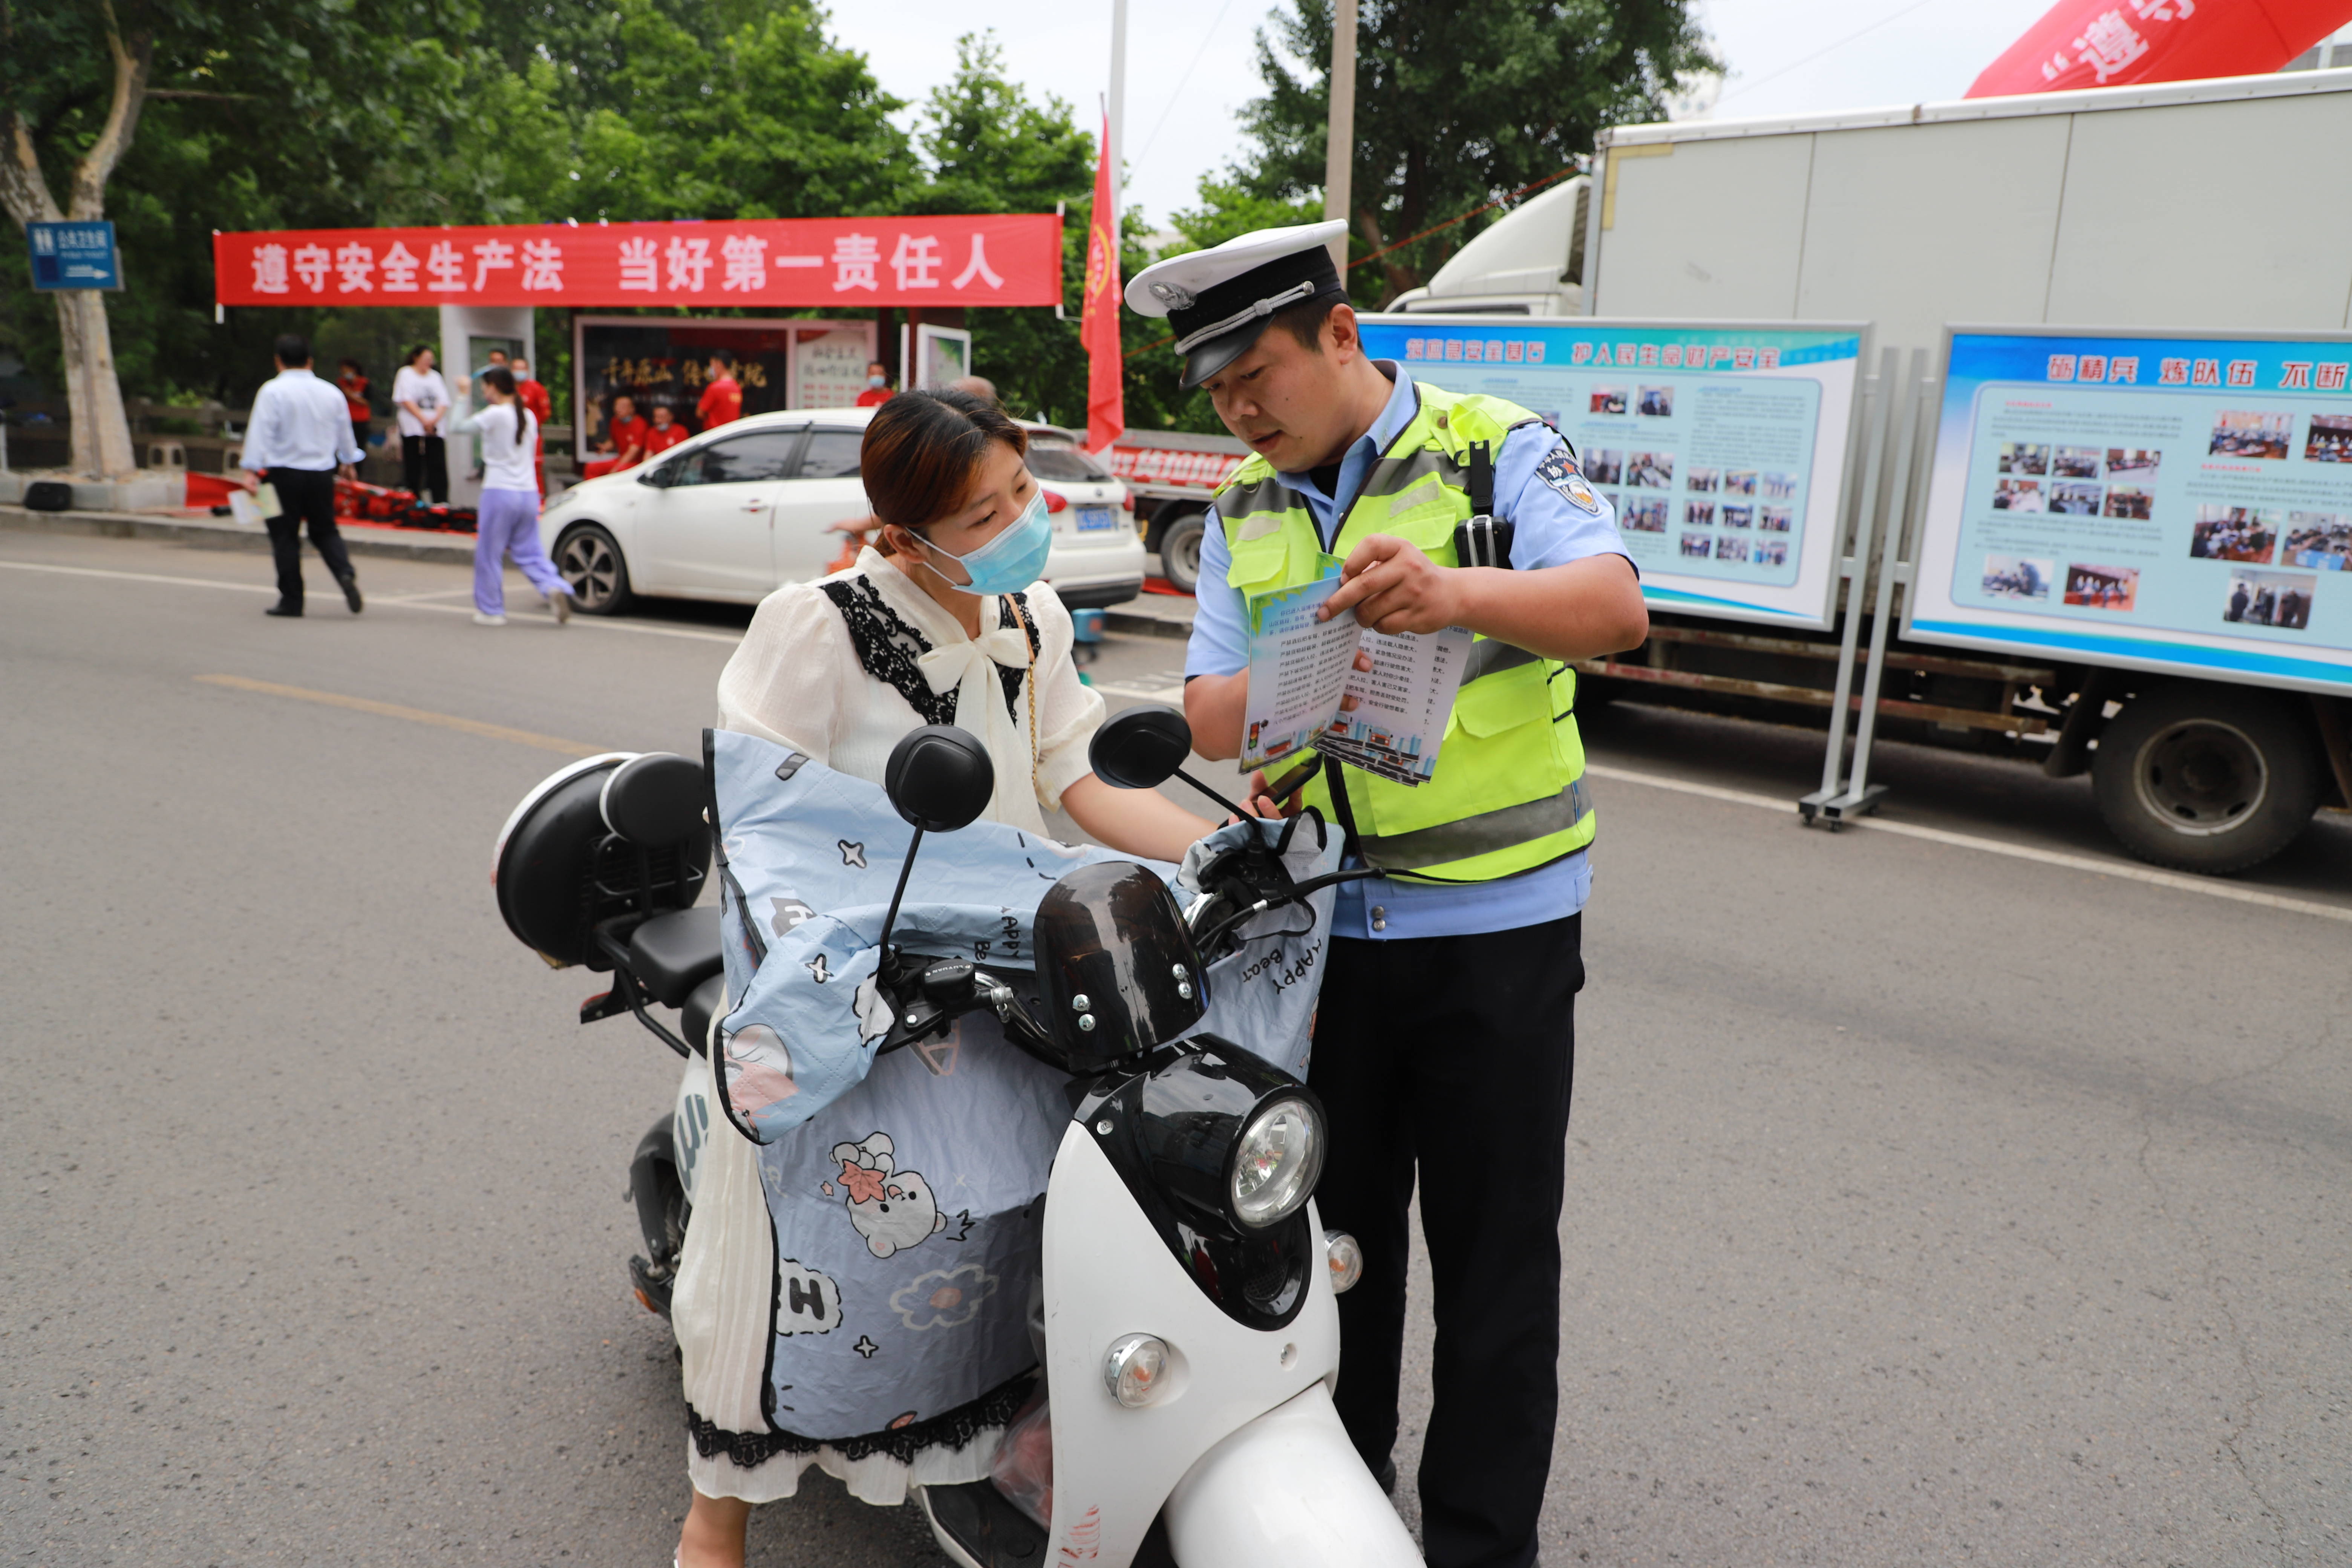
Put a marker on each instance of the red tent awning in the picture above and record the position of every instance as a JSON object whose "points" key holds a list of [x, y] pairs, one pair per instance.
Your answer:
{"points": [[2108, 43]]}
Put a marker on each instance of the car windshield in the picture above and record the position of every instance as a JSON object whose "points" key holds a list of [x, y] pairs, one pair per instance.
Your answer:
{"points": [[1065, 463]]}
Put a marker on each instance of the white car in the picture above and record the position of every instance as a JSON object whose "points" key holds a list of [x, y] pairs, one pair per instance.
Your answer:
{"points": [[735, 512]]}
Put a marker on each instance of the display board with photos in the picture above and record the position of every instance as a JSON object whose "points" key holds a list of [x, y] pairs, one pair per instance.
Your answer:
{"points": [[661, 361], [1721, 447], [2153, 500]]}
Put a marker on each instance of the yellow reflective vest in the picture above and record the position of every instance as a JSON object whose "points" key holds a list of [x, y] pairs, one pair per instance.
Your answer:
{"points": [[1506, 795]]}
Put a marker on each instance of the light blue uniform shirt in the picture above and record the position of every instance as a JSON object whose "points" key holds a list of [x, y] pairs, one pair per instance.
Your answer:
{"points": [[1550, 529]]}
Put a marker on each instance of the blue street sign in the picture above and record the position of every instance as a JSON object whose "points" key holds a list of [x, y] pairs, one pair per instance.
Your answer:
{"points": [[74, 256]]}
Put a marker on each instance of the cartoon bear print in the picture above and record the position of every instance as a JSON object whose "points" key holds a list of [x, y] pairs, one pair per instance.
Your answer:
{"points": [[892, 1209]]}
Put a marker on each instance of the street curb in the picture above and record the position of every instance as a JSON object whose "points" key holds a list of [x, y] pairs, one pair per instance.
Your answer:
{"points": [[220, 535]]}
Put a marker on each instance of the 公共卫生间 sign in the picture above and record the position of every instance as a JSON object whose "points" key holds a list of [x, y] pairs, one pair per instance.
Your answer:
{"points": [[993, 260]]}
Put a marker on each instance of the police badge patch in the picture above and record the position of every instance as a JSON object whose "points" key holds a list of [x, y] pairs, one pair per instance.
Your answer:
{"points": [[1558, 470]]}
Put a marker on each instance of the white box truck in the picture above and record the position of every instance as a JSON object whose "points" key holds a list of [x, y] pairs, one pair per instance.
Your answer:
{"points": [[2107, 561]]}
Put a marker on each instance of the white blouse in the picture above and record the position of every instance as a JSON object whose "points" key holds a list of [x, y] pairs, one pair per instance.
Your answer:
{"points": [[797, 680]]}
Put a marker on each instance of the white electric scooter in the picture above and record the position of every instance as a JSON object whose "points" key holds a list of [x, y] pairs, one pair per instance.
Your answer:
{"points": [[1191, 1322]]}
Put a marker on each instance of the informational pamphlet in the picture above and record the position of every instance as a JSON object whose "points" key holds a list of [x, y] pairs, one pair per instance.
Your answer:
{"points": [[1719, 447], [2168, 502], [1305, 690]]}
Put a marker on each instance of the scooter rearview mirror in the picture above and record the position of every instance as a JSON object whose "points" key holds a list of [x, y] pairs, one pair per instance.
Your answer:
{"points": [[1143, 748], [940, 778], [1140, 748]]}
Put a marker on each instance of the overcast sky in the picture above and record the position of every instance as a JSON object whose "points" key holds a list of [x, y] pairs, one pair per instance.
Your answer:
{"points": [[1192, 64]]}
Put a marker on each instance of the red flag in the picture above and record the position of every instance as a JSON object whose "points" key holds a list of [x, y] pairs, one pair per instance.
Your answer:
{"points": [[1098, 326], [2108, 43]]}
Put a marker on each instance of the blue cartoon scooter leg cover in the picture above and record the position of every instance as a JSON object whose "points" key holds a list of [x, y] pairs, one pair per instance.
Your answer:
{"points": [[906, 1190]]}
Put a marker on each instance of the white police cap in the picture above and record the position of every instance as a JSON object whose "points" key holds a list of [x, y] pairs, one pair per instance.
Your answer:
{"points": [[1220, 299]]}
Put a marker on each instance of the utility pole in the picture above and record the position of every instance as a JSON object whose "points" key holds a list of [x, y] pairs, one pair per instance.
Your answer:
{"points": [[1118, 116], [1339, 136]]}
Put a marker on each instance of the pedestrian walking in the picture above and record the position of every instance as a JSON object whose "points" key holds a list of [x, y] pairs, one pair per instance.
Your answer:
{"points": [[723, 394], [422, 398], [297, 439], [354, 383], [1450, 997], [507, 523]]}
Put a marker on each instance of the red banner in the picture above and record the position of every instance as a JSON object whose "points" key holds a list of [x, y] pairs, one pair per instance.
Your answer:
{"points": [[2110, 43], [1098, 327], [1010, 259]]}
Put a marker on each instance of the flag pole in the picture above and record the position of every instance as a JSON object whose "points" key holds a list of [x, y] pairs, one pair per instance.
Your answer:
{"points": [[1119, 107]]}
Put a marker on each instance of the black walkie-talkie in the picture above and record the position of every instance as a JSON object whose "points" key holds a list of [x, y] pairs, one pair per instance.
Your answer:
{"points": [[1482, 541]]}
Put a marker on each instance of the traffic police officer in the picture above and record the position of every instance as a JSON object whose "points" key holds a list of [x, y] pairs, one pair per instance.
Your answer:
{"points": [[1446, 1036]]}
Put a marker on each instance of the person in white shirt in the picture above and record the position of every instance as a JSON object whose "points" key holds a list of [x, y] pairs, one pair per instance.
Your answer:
{"points": [[422, 399], [508, 521], [299, 439]]}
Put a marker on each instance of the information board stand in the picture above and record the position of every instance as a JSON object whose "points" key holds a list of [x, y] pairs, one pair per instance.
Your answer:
{"points": [[1894, 497]]}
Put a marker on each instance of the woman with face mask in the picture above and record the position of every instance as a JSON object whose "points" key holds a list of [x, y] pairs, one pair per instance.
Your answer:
{"points": [[945, 623], [877, 385]]}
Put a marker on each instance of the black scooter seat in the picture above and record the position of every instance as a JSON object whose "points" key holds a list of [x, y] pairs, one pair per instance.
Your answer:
{"points": [[673, 953]]}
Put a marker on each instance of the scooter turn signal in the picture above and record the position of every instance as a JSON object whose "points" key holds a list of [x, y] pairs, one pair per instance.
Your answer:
{"points": [[1345, 1259], [1135, 1369]]}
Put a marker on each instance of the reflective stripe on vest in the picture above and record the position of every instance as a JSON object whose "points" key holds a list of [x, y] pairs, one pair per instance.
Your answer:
{"points": [[1507, 795]]}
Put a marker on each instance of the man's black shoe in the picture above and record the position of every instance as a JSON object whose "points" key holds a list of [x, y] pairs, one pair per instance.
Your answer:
{"points": [[283, 609], [351, 593], [1386, 1476]]}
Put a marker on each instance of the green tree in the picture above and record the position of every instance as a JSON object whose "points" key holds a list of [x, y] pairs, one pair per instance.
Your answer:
{"points": [[987, 148], [1456, 104]]}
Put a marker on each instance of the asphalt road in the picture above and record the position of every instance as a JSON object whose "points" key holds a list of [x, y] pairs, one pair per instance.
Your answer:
{"points": [[1937, 1195]]}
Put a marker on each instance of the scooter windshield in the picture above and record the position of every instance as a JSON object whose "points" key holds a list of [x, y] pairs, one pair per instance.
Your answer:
{"points": [[1118, 970]]}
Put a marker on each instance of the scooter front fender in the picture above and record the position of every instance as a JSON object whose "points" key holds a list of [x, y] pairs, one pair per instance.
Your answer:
{"points": [[1288, 1489]]}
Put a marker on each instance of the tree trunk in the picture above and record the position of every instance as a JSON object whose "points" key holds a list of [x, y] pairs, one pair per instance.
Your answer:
{"points": [[101, 433]]}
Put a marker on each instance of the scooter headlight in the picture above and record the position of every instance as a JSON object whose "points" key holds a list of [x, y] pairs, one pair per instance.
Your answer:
{"points": [[1276, 1162]]}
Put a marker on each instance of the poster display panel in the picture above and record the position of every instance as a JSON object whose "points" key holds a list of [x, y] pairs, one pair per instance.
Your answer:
{"points": [[2158, 502], [1722, 446], [659, 362]]}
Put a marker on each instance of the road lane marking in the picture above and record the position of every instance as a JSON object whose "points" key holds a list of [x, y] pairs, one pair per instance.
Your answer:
{"points": [[414, 715], [2206, 886], [403, 602], [137, 577]]}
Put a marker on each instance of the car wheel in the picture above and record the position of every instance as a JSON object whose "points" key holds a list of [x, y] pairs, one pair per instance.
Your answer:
{"points": [[587, 558], [2206, 778], [1180, 550]]}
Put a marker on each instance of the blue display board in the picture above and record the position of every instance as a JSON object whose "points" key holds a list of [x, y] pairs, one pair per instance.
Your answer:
{"points": [[74, 256], [2156, 501], [1722, 446]]}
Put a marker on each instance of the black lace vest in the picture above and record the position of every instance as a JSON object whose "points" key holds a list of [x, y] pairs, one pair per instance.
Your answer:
{"points": [[888, 647]]}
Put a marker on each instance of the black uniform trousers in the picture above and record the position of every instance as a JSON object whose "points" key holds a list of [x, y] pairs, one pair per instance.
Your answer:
{"points": [[304, 496], [1454, 1055]]}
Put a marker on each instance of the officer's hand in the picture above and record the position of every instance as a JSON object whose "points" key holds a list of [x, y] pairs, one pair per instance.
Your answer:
{"points": [[1393, 588], [1364, 663]]}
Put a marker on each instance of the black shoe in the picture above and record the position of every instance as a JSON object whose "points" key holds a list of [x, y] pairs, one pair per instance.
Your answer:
{"points": [[282, 608], [1386, 1476], [351, 593]]}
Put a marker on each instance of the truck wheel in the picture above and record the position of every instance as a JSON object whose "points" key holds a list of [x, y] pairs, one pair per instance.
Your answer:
{"points": [[2206, 778], [1180, 550], [590, 560]]}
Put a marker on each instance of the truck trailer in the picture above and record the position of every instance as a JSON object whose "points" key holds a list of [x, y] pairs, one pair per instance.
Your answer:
{"points": [[2171, 614]]}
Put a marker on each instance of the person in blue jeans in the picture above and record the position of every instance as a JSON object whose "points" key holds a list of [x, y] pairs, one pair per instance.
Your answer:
{"points": [[507, 523]]}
